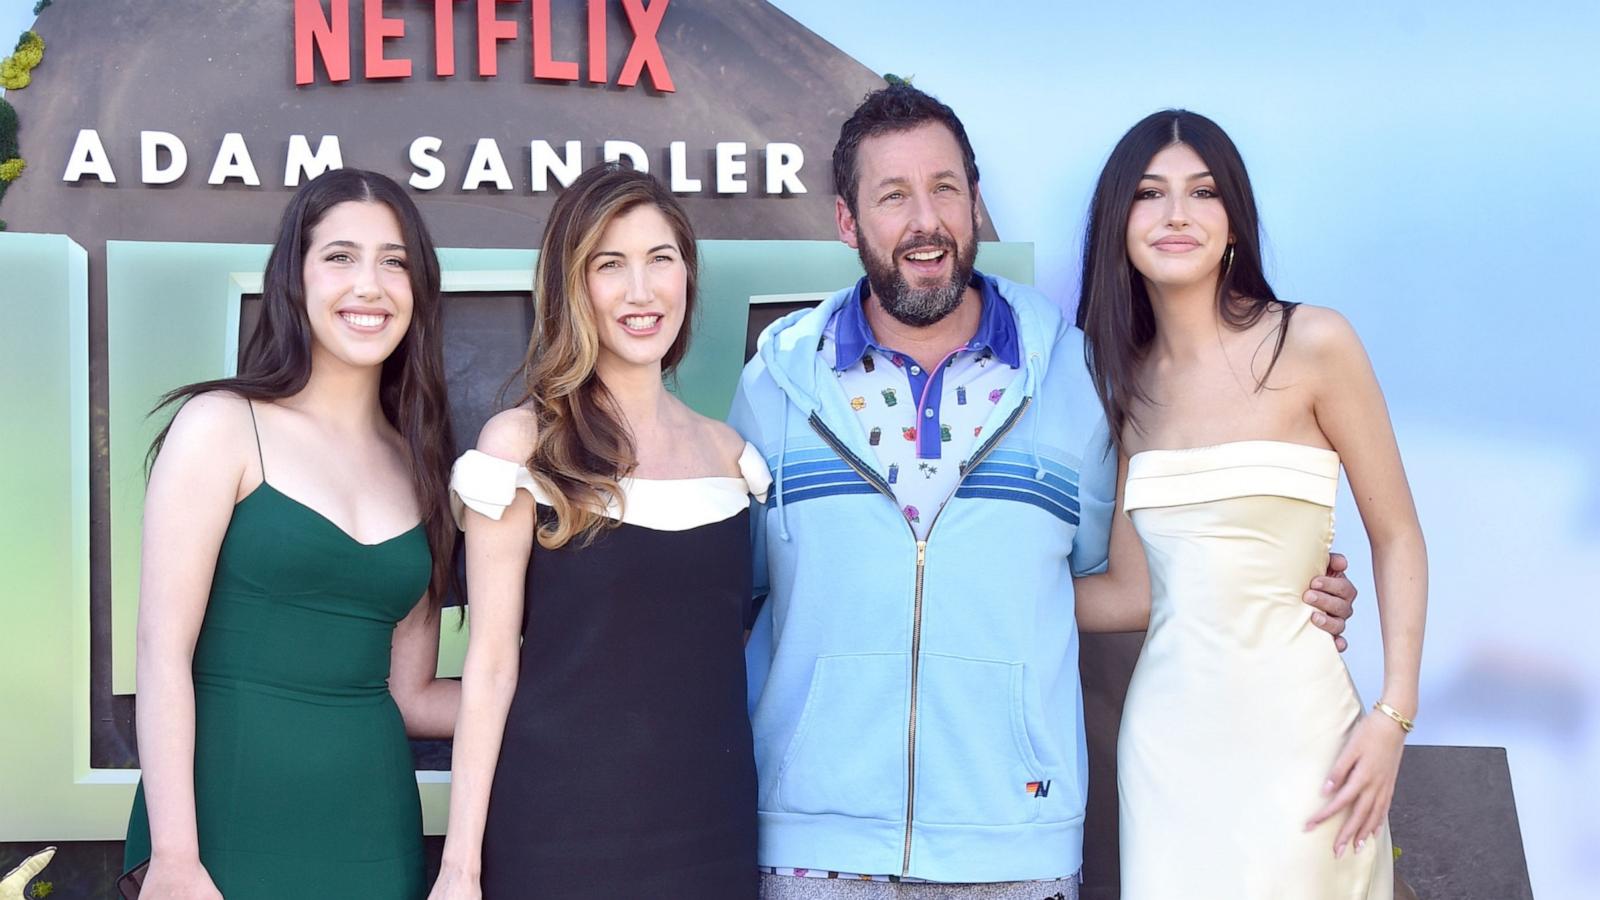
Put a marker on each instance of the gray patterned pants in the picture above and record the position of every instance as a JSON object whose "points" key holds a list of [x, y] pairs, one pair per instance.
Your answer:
{"points": [[789, 887]]}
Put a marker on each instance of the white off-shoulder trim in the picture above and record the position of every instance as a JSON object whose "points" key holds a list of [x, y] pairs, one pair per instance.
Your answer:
{"points": [[488, 484]]}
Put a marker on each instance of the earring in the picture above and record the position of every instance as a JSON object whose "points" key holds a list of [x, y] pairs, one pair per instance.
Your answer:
{"points": [[1227, 258]]}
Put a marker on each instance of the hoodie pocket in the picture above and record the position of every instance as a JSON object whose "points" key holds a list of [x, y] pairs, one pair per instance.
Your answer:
{"points": [[975, 765], [848, 754]]}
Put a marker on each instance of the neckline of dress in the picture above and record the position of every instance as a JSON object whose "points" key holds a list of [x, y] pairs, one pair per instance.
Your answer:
{"points": [[632, 479], [324, 518], [1224, 445]]}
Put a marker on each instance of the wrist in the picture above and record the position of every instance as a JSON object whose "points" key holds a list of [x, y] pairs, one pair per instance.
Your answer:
{"points": [[1401, 700], [1386, 710], [462, 865], [165, 857]]}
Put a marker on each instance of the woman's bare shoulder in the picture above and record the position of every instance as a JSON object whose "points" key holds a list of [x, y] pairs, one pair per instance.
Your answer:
{"points": [[729, 444], [211, 441], [213, 421], [510, 434], [721, 442], [1320, 335]]}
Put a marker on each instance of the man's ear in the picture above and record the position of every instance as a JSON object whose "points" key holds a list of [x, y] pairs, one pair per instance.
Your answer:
{"points": [[846, 223], [977, 208]]}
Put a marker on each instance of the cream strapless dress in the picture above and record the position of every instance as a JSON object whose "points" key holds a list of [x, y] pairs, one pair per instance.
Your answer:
{"points": [[1239, 705]]}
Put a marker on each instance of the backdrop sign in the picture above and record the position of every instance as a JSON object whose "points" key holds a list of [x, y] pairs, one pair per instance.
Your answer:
{"points": [[324, 42], [163, 141]]}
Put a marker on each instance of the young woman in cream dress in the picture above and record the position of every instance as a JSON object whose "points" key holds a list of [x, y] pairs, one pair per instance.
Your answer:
{"points": [[1248, 767]]}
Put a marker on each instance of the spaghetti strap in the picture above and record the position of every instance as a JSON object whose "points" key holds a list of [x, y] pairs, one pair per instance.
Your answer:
{"points": [[253, 427]]}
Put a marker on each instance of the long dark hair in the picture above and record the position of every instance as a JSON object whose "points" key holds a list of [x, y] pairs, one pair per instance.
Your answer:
{"points": [[583, 447], [276, 362], [1114, 310]]}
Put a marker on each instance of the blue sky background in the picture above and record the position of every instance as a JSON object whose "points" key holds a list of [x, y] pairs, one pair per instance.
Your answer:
{"points": [[1428, 171]]}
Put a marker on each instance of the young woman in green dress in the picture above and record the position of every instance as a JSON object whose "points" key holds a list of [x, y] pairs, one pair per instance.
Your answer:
{"points": [[297, 539]]}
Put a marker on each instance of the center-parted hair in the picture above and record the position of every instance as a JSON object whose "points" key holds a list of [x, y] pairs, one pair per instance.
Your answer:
{"points": [[896, 108], [583, 448], [276, 361], [1114, 309]]}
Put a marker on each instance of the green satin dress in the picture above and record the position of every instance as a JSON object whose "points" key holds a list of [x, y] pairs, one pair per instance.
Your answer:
{"points": [[304, 783]]}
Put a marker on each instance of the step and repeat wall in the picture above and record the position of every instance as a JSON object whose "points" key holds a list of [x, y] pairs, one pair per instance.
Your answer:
{"points": [[1420, 173]]}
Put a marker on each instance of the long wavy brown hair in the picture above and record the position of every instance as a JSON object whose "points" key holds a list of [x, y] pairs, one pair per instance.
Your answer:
{"points": [[1114, 310], [584, 449], [276, 362]]}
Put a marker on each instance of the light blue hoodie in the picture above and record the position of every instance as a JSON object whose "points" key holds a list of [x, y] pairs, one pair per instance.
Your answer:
{"points": [[916, 705]]}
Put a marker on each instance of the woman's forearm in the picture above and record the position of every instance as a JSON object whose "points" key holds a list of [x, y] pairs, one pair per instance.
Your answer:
{"points": [[1400, 569], [166, 730], [487, 689], [431, 710]]}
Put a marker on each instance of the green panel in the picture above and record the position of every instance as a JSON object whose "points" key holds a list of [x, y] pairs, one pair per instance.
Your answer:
{"points": [[172, 315], [47, 788]]}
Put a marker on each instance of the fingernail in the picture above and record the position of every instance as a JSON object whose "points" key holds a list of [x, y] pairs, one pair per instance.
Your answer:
{"points": [[1318, 583], [1319, 618], [1360, 844], [1327, 786], [1338, 852]]}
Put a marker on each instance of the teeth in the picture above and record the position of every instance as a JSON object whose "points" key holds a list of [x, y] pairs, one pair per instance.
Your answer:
{"points": [[363, 320], [925, 255], [639, 323]]}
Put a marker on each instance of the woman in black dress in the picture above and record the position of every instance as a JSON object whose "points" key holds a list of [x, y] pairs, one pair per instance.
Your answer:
{"points": [[603, 748]]}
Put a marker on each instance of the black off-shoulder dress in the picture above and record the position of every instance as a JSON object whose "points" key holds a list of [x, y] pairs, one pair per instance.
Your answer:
{"points": [[626, 768]]}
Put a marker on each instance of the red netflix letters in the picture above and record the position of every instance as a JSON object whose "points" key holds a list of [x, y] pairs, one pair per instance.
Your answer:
{"points": [[322, 32], [331, 39], [379, 29]]}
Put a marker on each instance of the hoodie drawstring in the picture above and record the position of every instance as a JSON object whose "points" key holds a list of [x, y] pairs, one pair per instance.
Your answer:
{"points": [[1033, 427], [783, 456]]}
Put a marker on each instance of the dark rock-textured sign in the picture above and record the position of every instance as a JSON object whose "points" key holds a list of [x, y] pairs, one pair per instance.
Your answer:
{"points": [[150, 121]]}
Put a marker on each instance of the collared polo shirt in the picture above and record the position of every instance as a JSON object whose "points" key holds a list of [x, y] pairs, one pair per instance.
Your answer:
{"points": [[924, 424]]}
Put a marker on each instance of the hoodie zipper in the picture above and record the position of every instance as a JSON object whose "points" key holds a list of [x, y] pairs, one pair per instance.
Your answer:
{"points": [[871, 477]]}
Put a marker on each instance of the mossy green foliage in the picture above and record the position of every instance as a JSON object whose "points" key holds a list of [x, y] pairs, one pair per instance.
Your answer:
{"points": [[8, 130], [14, 75], [39, 7], [8, 144], [15, 69]]}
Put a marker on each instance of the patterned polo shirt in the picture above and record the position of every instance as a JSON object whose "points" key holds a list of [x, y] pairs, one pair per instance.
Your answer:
{"points": [[924, 424]]}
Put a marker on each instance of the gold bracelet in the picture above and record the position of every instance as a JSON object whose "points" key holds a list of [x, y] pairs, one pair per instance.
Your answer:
{"points": [[1405, 724]]}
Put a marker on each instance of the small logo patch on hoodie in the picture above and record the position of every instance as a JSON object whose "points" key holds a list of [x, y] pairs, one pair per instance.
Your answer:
{"points": [[1040, 789]]}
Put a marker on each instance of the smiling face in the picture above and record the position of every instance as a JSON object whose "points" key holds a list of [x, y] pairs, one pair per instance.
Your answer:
{"points": [[638, 287], [916, 222], [357, 285], [1177, 226]]}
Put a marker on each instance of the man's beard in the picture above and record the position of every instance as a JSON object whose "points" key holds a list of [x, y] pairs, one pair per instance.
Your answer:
{"points": [[919, 307]]}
